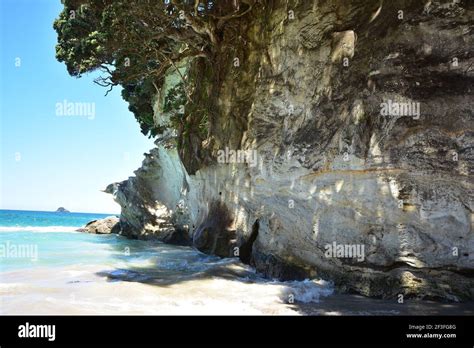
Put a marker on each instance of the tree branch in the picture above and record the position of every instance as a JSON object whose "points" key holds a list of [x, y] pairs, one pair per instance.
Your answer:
{"points": [[200, 27]]}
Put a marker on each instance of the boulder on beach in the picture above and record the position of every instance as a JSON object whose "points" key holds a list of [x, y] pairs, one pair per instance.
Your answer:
{"points": [[102, 226]]}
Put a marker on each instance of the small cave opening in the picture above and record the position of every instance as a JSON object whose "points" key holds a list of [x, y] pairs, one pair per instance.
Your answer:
{"points": [[245, 250]]}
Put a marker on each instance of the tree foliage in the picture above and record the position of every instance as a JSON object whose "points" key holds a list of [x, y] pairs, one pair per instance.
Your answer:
{"points": [[134, 42]]}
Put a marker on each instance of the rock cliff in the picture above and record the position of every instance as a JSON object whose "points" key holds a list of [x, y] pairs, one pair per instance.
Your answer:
{"points": [[338, 143]]}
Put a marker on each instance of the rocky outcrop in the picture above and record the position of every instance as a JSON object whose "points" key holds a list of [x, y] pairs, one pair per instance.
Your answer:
{"points": [[150, 201], [359, 114], [102, 226], [62, 210]]}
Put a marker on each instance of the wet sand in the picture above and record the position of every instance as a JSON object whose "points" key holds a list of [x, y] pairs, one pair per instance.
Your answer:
{"points": [[345, 304], [226, 290]]}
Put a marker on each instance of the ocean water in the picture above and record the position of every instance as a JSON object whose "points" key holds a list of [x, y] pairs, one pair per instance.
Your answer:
{"points": [[46, 267]]}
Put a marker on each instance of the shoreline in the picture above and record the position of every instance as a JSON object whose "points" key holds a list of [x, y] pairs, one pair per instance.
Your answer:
{"points": [[102, 289], [358, 305], [159, 278]]}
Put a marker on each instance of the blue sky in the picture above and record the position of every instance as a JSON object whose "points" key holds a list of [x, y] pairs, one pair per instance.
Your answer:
{"points": [[49, 160]]}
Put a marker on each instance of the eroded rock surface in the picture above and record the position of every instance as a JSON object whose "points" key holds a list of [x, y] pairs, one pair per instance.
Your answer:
{"points": [[361, 116], [102, 226]]}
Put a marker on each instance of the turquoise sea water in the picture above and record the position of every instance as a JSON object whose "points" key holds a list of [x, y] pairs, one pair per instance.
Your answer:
{"points": [[19, 220], [46, 267], [36, 238]]}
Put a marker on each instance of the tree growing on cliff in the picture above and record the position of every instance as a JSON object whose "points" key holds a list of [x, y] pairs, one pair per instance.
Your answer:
{"points": [[134, 42]]}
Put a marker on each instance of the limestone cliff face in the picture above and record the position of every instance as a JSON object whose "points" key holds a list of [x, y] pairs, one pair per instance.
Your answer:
{"points": [[360, 115]]}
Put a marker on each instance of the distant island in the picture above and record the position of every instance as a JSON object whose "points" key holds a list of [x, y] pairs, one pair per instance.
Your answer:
{"points": [[62, 210]]}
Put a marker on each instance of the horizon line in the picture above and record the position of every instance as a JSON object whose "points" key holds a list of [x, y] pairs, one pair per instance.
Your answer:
{"points": [[54, 211]]}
